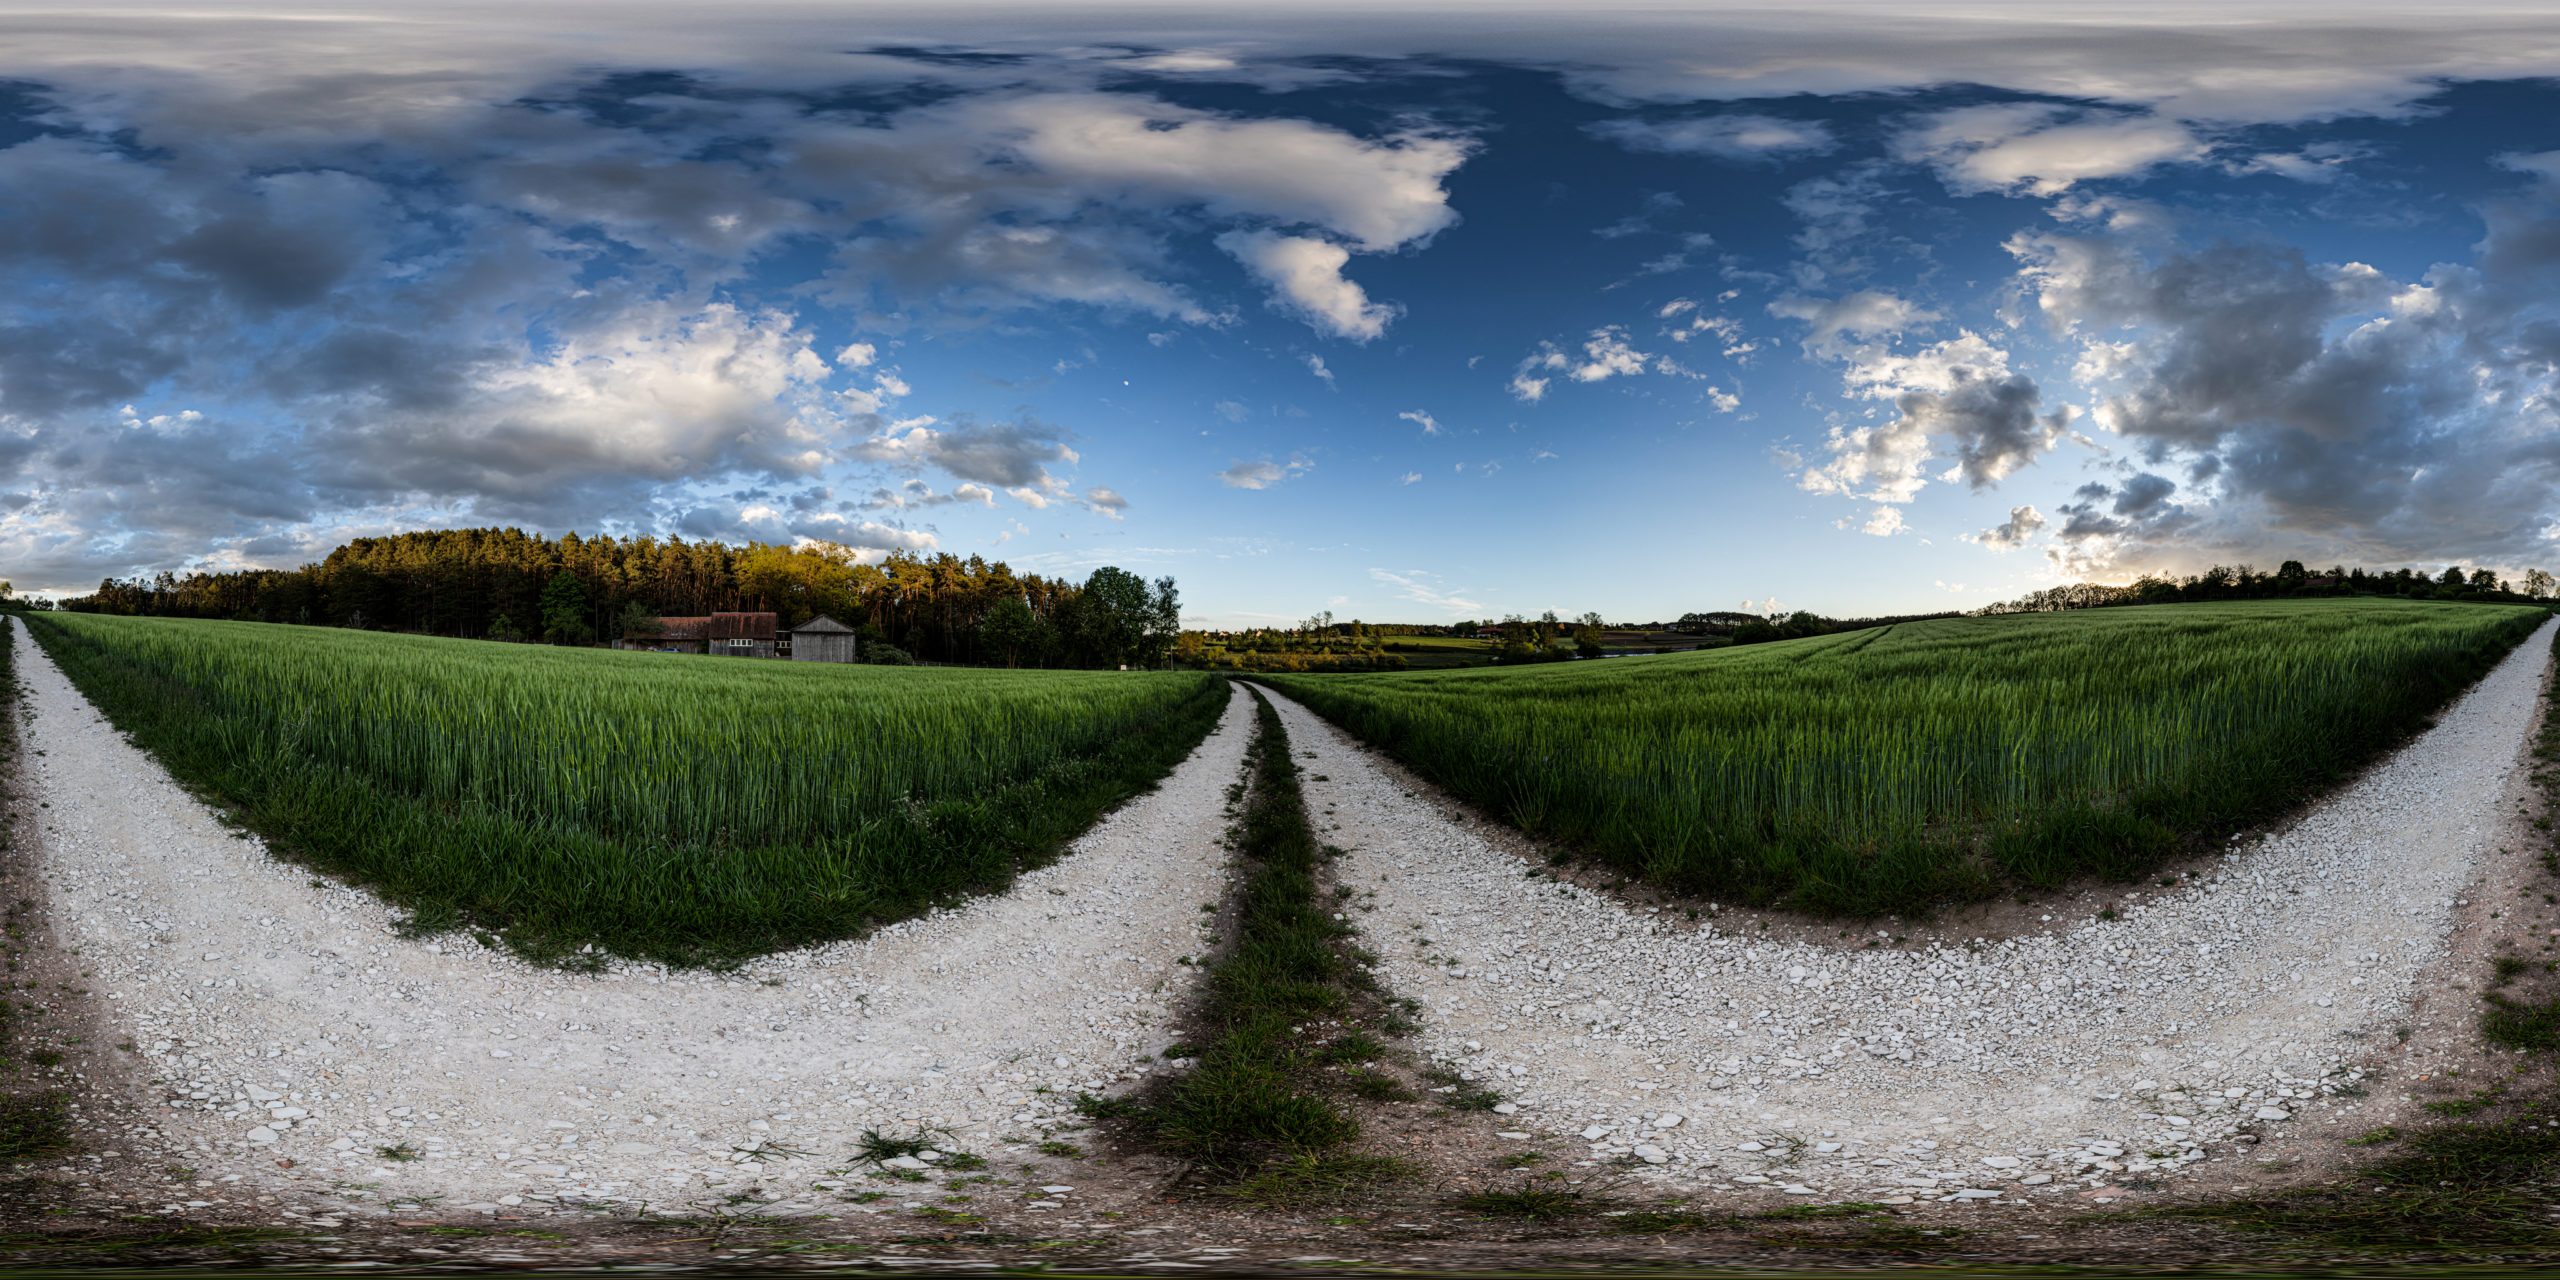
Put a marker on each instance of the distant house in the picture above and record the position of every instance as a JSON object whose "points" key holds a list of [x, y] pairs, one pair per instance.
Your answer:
{"points": [[822, 639], [734, 635], [1488, 633]]}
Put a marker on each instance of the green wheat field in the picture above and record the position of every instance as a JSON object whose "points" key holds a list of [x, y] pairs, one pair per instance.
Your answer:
{"points": [[686, 810], [1890, 769]]}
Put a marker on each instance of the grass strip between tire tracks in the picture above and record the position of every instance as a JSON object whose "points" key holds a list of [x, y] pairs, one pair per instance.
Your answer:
{"points": [[1259, 1111]]}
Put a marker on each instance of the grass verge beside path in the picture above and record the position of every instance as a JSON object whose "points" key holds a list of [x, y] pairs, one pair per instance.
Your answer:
{"points": [[1262, 1110], [1895, 769], [33, 1122], [682, 810]]}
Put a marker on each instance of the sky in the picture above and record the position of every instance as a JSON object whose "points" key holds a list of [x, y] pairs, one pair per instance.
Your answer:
{"points": [[1408, 312]]}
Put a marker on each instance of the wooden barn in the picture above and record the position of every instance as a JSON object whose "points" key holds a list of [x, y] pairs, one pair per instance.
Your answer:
{"points": [[734, 635], [669, 635], [743, 635], [822, 639]]}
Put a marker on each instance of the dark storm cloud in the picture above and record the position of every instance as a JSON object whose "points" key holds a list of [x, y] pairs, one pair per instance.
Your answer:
{"points": [[1988, 422], [2326, 403]]}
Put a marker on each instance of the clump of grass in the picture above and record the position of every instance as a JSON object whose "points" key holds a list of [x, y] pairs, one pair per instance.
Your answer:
{"points": [[402, 1153], [1526, 1201], [1355, 1046], [875, 1147], [1824, 1212], [1062, 1150], [555, 798], [1309, 1178], [1886, 770], [1376, 1086], [1462, 1095]]}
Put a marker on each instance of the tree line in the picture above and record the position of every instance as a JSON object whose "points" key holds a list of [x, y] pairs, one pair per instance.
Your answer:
{"points": [[507, 584], [2289, 580]]}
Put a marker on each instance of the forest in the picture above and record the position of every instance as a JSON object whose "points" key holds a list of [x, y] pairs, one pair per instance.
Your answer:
{"points": [[506, 584]]}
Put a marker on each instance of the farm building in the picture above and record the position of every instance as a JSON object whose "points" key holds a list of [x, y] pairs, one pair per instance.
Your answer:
{"points": [[733, 635], [822, 639], [668, 635]]}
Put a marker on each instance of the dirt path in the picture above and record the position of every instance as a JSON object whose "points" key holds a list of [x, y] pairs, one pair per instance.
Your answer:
{"points": [[299, 1038], [2248, 1004]]}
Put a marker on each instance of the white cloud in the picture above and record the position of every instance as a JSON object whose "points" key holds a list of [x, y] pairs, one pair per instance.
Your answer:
{"points": [[1380, 195], [1955, 398], [2319, 164], [1424, 589], [1011, 455], [1105, 502], [1181, 60], [652, 392], [916, 493], [1412, 477], [1263, 474], [1315, 365], [1430, 425], [2542, 164], [1724, 401], [1305, 274], [1883, 522], [2009, 535], [1865, 315], [828, 526], [1736, 136], [2041, 149], [1606, 353]]}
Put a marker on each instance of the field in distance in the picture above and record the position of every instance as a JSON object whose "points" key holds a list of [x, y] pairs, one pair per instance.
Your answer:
{"points": [[1888, 769], [682, 809]]}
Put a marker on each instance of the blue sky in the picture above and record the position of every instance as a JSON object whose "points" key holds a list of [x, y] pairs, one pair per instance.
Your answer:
{"points": [[1413, 313]]}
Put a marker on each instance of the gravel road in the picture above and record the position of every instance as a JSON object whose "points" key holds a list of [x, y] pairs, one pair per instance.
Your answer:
{"points": [[291, 1023], [2250, 998]]}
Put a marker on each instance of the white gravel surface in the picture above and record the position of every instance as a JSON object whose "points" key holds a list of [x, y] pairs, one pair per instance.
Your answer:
{"points": [[2098, 1049], [290, 1022]]}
